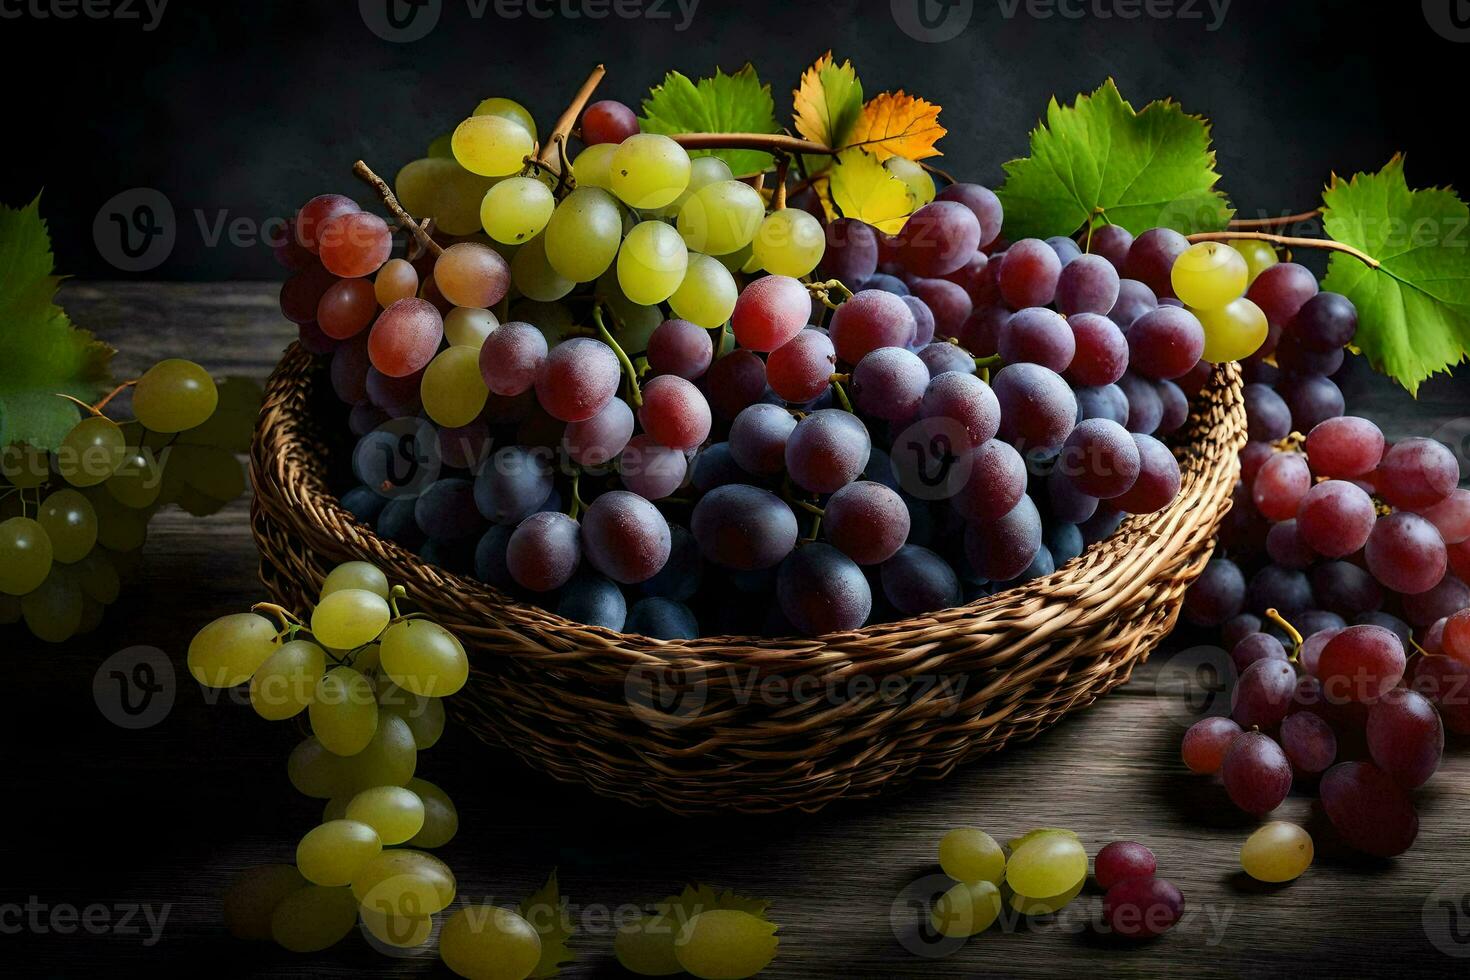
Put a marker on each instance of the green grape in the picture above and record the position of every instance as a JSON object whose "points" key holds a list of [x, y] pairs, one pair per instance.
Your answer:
{"points": [[1234, 331], [138, 481], [593, 166], [317, 773], [533, 274], [232, 425], [707, 295], [417, 185], [790, 242], [254, 895], [1044, 906], [737, 260], [1259, 256], [725, 944], [1276, 852], [516, 209], [970, 854], [355, 575], [425, 716], [915, 177], [92, 613], [313, 918], [120, 529], [336, 809], [25, 555], [703, 171], [210, 470], [399, 931], [25, 466], [441, 819], [485, 942], [98, 577], [404, 882], [389, 760], [967, 909], [424, 658], [507, 109], [231, 649], [468, 327], [721, 217], [439, 147], [343, 711], [651, 263], [443, 190], [53, 611], [333, 853], [453, 389], [583, 234], [365, 660], [1046, 864], [285, 684], [553, 319], [1207, 275], [491, 146], [91, 452], [646, 947], [70, 523], [347, 619], [174, 395], [395, 813], [10, 611], [649, 170]]}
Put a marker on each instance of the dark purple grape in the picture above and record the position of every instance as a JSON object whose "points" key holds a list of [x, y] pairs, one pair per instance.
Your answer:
{"points": [[995, 484], [1405, 737], [923, 320], [1066, 249], [681, 575], [1088, 284], [446, 510], [1238, 627], [1345, 588], [964, 398], [1370, 811], [736, 380], [1406, 553], [661, 619], [1267, 417], [948, 304], [1029, 273], [1293, 358], [1140, 908], [1256, 773], [625, 537], [827, 450], [939, 238], [866, 521], [1281, 290], [598, 440], [1064, 541], [942, 357], [1151, 259], [1285, 546], [975, 278], [823, 591], [651, 470], [1065, 502], [1003, 548], [681, 348], [886, 283], [544, 551], [1101, 350], [1165, 343], [852, 252], [578, 378], [1112, 242], [1274, 587], [1326, 322], [1175, 407], [1308, 742], [594, 600], [714, 467], [1444, 600], [982, 202], [889, 383], [1102, 524], [1104, 402], [916, 580], [490, 557], [1037, 408], [758, 438], [1122, 860], [1312, 399], [1158, 479], [981, 333], [1262, 696], [1145, 406], [1101, 458], [869, 320], [743, 527], [1255, 647], [1217, 595], [513, 485], [1037, 335], [1360, 663], [1134, 300]]}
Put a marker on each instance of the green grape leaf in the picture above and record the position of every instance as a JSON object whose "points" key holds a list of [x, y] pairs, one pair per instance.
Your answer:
{"points": [[698, 898], [41, 354], [1414, 309], [546, 912], [736, 103], [1100, 161], [866, 190], [828, 103]]}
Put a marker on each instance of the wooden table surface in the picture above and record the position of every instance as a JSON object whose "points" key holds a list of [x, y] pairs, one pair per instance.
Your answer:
{"points": [[158, 820]]}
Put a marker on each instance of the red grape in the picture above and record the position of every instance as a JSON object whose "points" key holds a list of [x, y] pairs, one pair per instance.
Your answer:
{"points": [[625, 537], [1405, 737], [512, 357], [1140, 908], [354, 244], [608, 121], [1406, 553], [1361, 663], [316, 212], [405, 337], [1371, 812], [770, 311], [801, 369], [866, 521], [1345, 447], [544, 551], [674, 412], [680, 347], [869, 320], [1206, 742], [1256, 773], [1029, 273], [578, 378], [1121, 860], [938, 238]]}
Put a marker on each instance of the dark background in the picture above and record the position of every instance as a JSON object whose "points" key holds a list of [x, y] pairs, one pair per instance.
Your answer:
{"points": [[245, 110]]}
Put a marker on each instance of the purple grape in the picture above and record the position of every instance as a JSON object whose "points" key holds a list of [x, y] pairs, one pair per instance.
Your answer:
{"points": [[923, 320], [1029, 273], [681, 348], [1263, 694], [1145, 406], [1175, 407], [965, 399], [1370, 811], [758, 438], [743, 527], [942, 358], [1003, 548], [1308, 742], [889, 383], [1267, 417], [1285, 546], [513, 485], [1256, 773], [596, 441], [995, 484], [594, 600], [939, 238], [916, 581], [1326, 322], [1281, 290], [1122, 860], [1312, 399], [852, 251], [1088, 284], [1065, 502], [948, 304], [801, 369], [1038, 336], [1104, 402], [446, 510], [823, 591], [866, 521], [827, 450], [737, 380], [1158, 479], [1037, 408], [1165, 343], [982, 202], [625, 537], [1206, 742], [1274, 587], [1217, 595], [1405, 737], [1151, 259], [869, 320], [1066, 249], [544, 551], [661, 619], [1134, 300], [1101, 458], [1101, 350], [651, 470], [1255, 647], [1112, 242], [1345, 588]]}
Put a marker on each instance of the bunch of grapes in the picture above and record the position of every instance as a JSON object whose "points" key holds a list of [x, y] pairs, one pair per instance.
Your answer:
{"points": [[73, 521], [648, 386], [1342, 557]]}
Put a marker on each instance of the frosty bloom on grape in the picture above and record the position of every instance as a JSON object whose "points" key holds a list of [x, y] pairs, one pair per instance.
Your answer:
{"points": [[148, 12], [38, 918]]}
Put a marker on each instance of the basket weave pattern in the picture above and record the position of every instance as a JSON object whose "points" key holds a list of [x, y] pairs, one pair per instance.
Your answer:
{"points": [[756, 725]]}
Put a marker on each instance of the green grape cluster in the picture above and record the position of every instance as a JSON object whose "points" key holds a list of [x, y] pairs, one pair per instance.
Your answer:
{"points": [[72, 521], [1211, 279]]}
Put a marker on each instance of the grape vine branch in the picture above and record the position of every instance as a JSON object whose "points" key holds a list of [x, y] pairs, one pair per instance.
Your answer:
{"points": [[1286, 241]]}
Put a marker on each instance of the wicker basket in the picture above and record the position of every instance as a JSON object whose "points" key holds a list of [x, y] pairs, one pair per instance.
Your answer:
{"points": [[756, 725]]}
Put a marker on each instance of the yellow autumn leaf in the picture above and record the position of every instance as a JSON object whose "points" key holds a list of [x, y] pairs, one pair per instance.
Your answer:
{"points": [[864, 189], [828, 102], [895, 124]]}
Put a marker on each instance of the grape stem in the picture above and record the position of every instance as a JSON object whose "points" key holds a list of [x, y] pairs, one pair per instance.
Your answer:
{"points": [[635, 394], [1291, 631], [385, 193], [97, 408], [841, 395], [935, 170], [778, 199], [823, 290], [1287, 242], [577, 505], [289, 621], [563, 127], [1290, 219], [770, 142]]}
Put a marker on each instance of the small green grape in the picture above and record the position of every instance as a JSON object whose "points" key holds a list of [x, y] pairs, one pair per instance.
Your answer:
{"points": [[790, 242], [725, 944], [285, 684], [721, 217], [707, 295], [583, 234], [119, 528], [355, 575], [229, 650], [25, 555], [970, 854], [439, 147], [652, 263], [347, 619], [398, 931], [491, 146], [468, 327], [915, 177], [516, 209], [91, 452], [703, 171], [70, 523], [967, 909], [1276, 852], [174, 395], [1044, 906], [1046, 864], [507, 109], [425, 716], [443, 190], [534, 276], [313, 918], [453, 390], [404, 882], [485, 942], [593, 166], [441, 819], [253, 896], [54, 611], [343, 711], [649, 170], [1259, 256], [646, 947], [424, 658], [25, 466], [389, 760], [138, 481], [331, 854], [1208, 275], [1234, 331], [394, 812]]}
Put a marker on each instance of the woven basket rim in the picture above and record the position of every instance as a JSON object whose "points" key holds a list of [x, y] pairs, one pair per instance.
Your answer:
{"points": [[299, 498]]}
